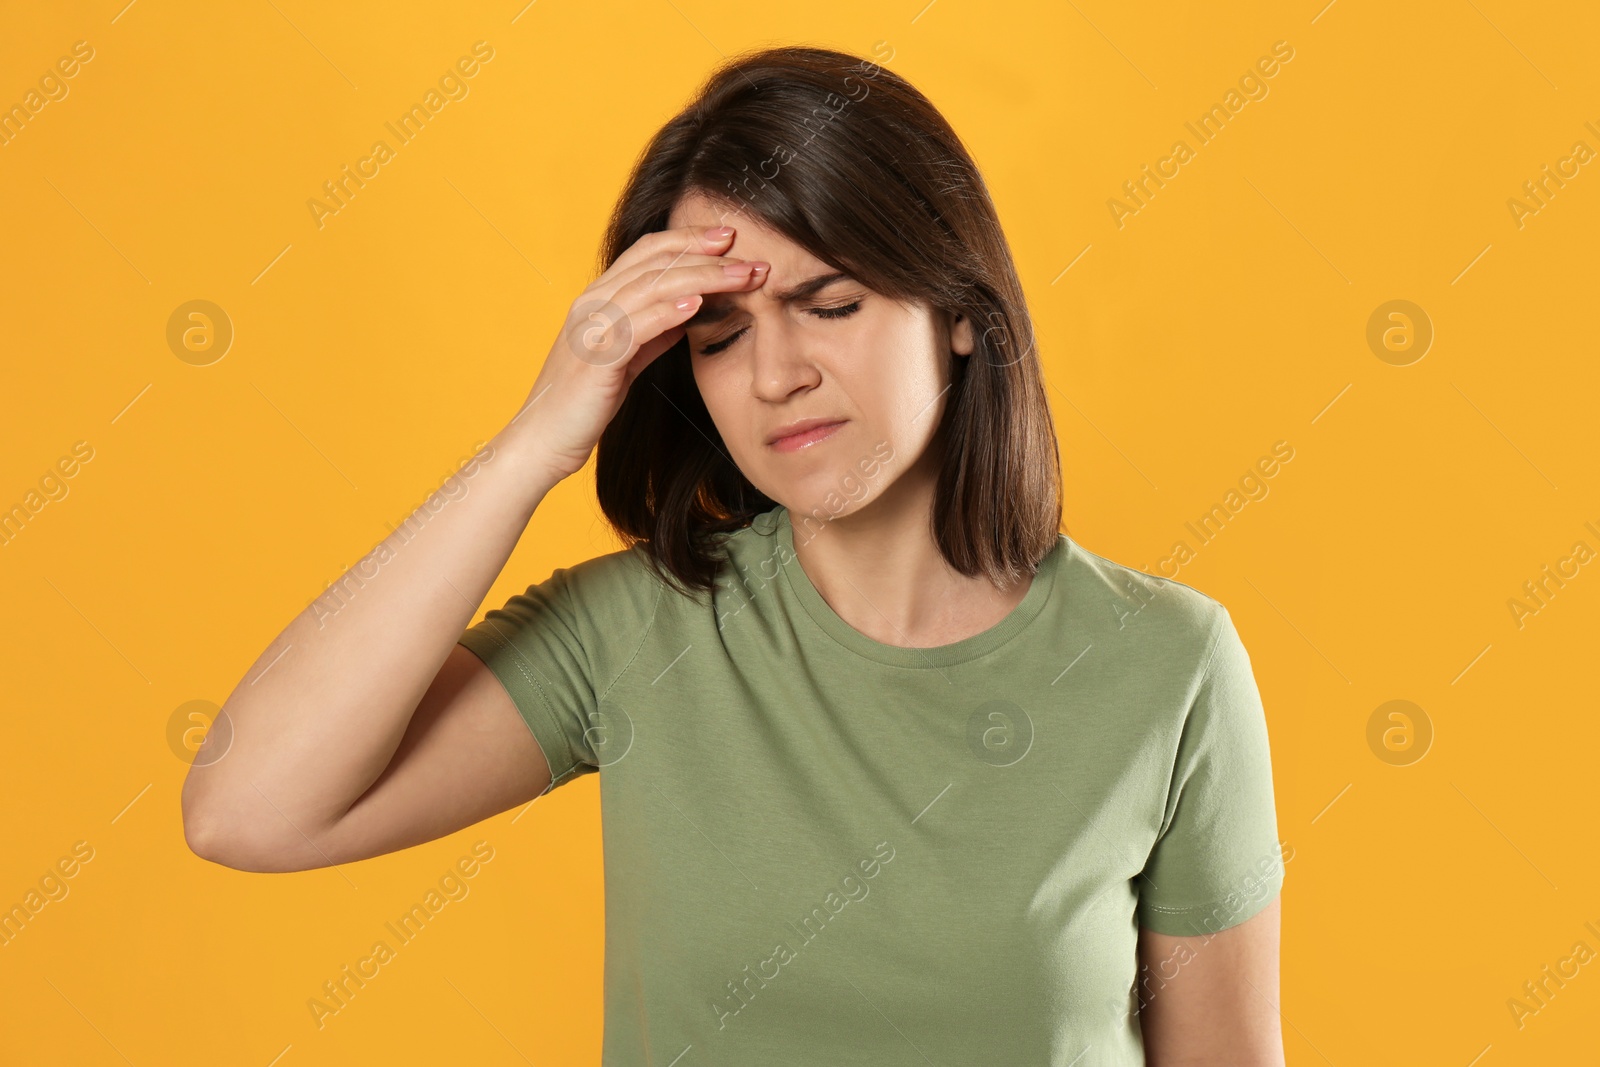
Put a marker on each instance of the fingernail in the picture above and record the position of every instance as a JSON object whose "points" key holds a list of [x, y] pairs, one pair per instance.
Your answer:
{"points": [[736, 269], [719, 233]]}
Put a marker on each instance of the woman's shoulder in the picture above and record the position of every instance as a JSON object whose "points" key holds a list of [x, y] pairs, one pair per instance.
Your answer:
{"points": [[621, 577], [1121, 597], [622, 585]]}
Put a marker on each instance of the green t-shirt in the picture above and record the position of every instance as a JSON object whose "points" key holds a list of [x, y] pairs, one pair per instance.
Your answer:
{"points": [[823, 849]]}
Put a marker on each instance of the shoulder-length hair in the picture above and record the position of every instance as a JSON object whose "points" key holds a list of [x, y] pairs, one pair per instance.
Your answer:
{"points": [[852, 163]]}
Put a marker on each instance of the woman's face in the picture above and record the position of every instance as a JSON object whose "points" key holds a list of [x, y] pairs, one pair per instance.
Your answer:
{"points": [[766, 358]]}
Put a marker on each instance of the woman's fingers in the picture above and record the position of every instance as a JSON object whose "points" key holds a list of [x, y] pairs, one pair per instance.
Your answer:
{"points": [[604, 330], [617, 326], [671, 283], [661, 323], [685, 240]]}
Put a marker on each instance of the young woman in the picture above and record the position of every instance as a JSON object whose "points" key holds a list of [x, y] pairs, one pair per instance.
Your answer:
{"points": [[892, 770]]}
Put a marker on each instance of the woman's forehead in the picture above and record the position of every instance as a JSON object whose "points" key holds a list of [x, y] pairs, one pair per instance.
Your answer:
{"points": [[752, 238], [697, 209]]}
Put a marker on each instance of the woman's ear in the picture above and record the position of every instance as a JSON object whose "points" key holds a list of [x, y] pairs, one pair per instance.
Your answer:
{"points": [[961, 339]]}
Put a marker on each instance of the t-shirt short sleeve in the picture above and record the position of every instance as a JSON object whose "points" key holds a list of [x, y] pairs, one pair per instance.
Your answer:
{"points": [[555, 648], [1216, 861]]}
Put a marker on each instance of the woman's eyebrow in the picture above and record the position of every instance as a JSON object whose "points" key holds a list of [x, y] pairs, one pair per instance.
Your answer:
{"points": [[714, 311]]}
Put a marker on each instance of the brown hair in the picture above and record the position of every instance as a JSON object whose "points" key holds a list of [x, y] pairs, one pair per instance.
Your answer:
{"points": [[853, 164]]}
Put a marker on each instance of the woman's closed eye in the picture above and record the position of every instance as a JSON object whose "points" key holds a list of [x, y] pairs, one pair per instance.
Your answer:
{"points": [[837, 311]]}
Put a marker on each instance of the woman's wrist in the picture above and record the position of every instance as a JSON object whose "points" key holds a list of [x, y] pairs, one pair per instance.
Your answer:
{"points": [[526, 449]]}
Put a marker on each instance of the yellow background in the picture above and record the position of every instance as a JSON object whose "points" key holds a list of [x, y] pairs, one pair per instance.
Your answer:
{"points": [[1229, 313]]}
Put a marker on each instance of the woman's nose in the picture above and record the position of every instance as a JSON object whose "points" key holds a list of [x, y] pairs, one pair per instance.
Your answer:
{"points": [[779, 363]]}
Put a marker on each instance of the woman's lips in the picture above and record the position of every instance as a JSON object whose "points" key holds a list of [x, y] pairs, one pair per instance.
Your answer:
{"points": [[805, 438]]}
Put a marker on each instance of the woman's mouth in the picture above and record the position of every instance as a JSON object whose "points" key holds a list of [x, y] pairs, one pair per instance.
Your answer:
{"points": [[810, 436]]}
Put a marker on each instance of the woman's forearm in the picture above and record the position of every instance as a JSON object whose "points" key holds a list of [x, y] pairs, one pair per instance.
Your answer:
{"points": [[318, 716]]}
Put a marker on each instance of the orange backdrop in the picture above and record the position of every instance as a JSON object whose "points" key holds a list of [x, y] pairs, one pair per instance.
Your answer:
{"points": [[1338, 347]]}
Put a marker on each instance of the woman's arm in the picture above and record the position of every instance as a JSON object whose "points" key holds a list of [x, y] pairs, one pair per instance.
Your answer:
{"points": [[339, 699], [1212, 1001], [371, 730]]}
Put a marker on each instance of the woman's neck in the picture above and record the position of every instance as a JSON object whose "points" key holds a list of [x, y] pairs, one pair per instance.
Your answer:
{"points": [[880, 571]]}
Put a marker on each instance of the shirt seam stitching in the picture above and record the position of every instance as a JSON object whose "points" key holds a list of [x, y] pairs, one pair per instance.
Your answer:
{"points": [[1188, 713], [822, 627], [655, 611], [550, 716], [1275, 879]]}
